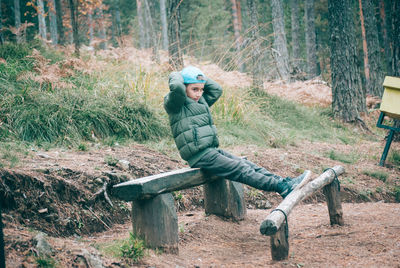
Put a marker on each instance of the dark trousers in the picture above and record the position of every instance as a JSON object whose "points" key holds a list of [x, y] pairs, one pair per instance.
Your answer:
{"points": [[223, 164]]}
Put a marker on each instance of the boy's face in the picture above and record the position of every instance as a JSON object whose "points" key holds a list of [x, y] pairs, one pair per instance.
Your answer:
{"points": [[195, 91]]}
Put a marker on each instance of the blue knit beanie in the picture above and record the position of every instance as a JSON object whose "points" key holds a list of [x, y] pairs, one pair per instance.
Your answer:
{"points": [[193, 75]]}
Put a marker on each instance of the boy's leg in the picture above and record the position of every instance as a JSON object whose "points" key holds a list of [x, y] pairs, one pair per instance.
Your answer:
{"points": [[256, 167], [223, 164]]}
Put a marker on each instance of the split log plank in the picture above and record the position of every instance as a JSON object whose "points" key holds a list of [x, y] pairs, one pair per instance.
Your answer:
{"points": [[148, 187], [274, 220]]}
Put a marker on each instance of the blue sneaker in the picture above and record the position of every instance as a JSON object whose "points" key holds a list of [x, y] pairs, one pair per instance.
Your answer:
{"points": [[287, 185]]}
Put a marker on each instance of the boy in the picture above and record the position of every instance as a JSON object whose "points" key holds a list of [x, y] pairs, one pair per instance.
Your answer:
{"points": [[187, 104]]}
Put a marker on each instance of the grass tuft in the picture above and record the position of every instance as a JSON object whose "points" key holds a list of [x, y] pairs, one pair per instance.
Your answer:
{"points": [[380, 175], [344, 158]]}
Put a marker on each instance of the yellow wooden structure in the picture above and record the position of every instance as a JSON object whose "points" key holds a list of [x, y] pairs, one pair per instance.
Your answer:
{"points": [[391, 97]]}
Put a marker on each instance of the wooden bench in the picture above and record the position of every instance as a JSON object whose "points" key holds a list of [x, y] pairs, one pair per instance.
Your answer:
{"points": [[154, 217]]}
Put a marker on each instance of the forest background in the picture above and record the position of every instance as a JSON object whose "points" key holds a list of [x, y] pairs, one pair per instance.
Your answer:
{"points": [[81, 77]]}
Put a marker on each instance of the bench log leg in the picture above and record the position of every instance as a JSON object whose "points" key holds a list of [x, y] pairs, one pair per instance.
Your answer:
{"points": [[156, 222], [225, 198], [332, 194], [280, 244]]}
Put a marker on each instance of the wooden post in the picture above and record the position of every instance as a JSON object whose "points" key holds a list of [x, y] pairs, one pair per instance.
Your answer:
{"points": [[225, 198], [332, 194], [280, 244], [156, 222]]}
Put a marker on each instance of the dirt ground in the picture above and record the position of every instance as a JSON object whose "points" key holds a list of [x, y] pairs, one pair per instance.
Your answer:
{"points": [[55, 192]]}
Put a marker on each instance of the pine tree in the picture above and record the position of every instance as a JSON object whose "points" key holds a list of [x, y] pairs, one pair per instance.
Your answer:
{"points": [[164, 25], [296, 57], [310, 39], [17, 17], [376, 76], [42, 21], [174, 35], [53, 21], [347, 93], [60, 26], [281, 52], [257, 72], [1, 27]]}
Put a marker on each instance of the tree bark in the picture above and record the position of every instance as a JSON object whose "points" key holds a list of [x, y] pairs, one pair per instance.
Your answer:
{"points": [[90, 25], [53, 21], [17, 19], [164, 25], [151, 30], [102, 28], [41, 19], [386, 17], [60, 26], [347, 93], [256, 56], [364, 42], [73, 7], [296, 57], [396, 50], [174, 35], [139, 10], [281, 54], [374, 55], [396, 37], [238, 39], [1, 27], [310, 39]]}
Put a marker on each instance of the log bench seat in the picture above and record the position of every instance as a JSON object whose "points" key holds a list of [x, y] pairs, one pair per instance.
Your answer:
{"points": [[154, 217]]}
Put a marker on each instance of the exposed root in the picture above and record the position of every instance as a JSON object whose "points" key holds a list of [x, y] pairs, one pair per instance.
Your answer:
{"points": [[102, 191]]}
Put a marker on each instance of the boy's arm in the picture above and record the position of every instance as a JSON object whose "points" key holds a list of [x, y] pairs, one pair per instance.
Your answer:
{"points": [[174, 100], [212, 91]]}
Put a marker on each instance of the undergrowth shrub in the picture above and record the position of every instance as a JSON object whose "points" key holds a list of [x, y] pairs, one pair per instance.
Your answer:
{"points": [[81, 114], [132, 248], [91, 109]]}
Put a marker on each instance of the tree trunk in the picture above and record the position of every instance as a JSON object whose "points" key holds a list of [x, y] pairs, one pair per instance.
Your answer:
{"points": [[151, 30], [117, 15], [396, 50], [374, 55], [310, 39], [42, 21], [139, 9], [60, 26], [281, 52], [256, 67], [17, 17], [238, 39], [386, 17], [73, 7], [174, 35], [365, 48], [347, 93], [164, 26], [102, 28], [396, 37], [53, 21], [296, 57], [1, 27], [90, 25]]}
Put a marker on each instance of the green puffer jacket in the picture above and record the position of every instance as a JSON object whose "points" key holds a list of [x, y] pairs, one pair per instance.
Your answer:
{"points": [[191, 122]]}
